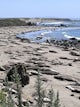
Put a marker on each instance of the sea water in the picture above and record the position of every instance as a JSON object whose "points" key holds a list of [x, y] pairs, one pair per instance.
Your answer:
{"points": [[59, 34]]}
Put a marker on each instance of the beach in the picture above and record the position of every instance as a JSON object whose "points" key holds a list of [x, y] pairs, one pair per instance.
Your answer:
{"points": [[45, 56]]}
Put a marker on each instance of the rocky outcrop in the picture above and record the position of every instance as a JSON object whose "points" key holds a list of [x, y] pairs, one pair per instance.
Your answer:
{"points": [[19, 69]]}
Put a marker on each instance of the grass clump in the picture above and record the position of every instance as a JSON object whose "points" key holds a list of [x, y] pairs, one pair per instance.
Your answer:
{"points": [[53, 99], [39, 91]]}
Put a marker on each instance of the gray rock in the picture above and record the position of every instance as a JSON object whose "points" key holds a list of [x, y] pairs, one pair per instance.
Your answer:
{"points": [[56, 62], [65, 77], [76, 59], [44, 79], [75, 89], [65, 58], [10, 90], [21, 70], [39, 37], [52, 51], [74, 53], [46, 100], [33, 72], [49, 71], [2, 68], [70, 64]]}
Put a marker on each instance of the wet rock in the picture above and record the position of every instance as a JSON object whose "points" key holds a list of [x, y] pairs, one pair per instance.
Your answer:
{"points": [[39, 37], [20, 69], [51, 41], [25, 40], [47, 41]]}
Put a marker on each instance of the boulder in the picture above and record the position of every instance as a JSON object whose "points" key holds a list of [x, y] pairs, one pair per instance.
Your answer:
{"points": [[20, 69]]}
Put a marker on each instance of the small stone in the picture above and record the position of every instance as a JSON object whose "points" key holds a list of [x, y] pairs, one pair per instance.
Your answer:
{"points": [[52, 51], [46, 100], [69, 64], [49, 71], [72, 95]]}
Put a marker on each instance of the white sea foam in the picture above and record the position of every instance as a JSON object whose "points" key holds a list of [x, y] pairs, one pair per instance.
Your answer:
{"points": [[43, 33], [69, 37]]}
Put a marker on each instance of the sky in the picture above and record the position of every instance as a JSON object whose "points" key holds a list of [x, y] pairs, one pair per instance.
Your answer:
{"points": [[40, 8]]}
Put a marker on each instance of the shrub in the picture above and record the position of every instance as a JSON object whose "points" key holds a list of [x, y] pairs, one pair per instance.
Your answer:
{"points": [[14, 22]]}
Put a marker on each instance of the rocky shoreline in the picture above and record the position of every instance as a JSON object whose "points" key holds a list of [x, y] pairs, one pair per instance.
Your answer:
{"points": [[57, 61]]}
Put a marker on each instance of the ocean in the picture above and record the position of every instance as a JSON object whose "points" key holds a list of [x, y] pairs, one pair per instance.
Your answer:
{"points": [[65, 33]]}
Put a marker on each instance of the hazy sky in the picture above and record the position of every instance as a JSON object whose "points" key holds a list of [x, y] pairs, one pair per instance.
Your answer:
{"points": [[40, 8]]}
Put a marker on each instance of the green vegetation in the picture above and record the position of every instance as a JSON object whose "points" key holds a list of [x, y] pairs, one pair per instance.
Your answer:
{"points": [[53, 99], [17, 78], [14, 22], [6, 100], [39, 91]]}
